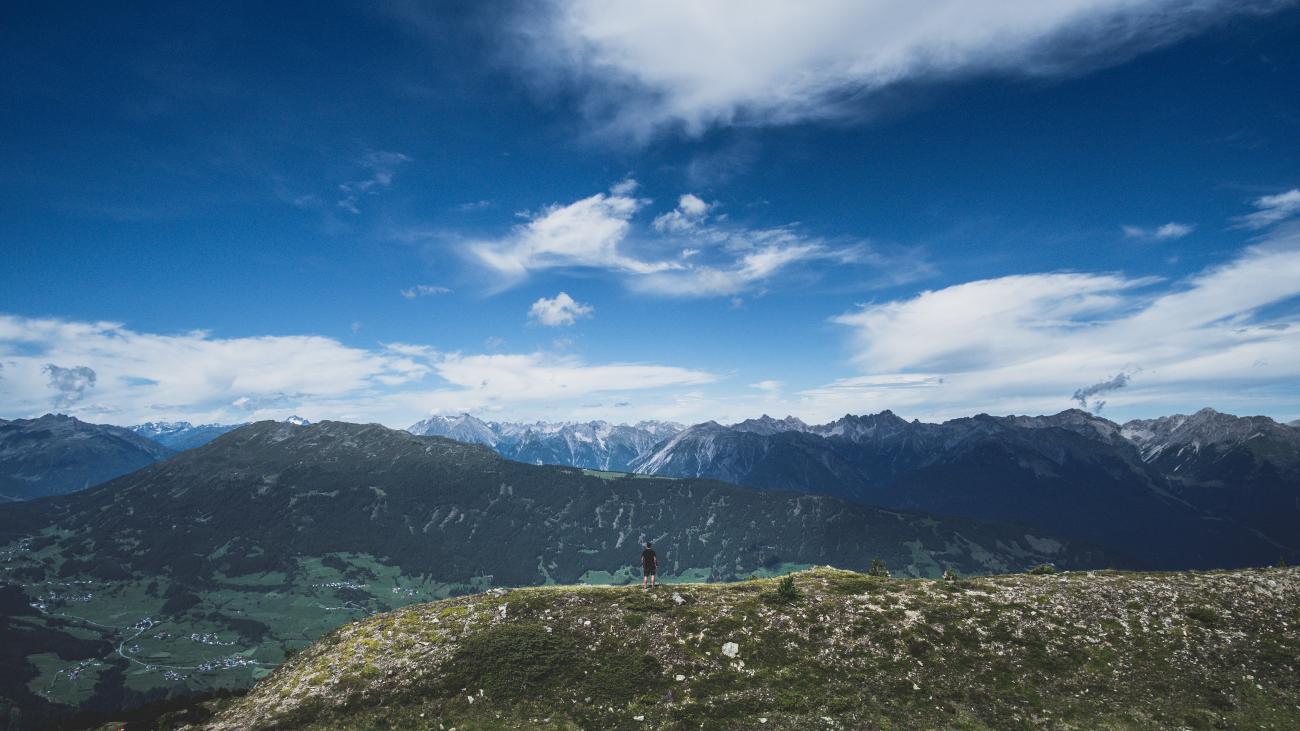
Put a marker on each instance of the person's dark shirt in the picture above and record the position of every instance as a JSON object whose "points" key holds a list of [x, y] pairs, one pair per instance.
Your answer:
{"points": [[648, 557]]}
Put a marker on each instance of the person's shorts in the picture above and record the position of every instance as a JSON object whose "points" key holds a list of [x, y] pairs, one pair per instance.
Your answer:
{"points": [[648, 569]]}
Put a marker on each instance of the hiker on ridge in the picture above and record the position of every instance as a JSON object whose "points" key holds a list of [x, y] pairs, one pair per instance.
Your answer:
{"points": [[649, 564]]}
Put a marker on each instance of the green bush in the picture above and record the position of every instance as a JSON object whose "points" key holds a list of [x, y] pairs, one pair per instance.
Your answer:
{"points": [[786, 591], [878, 568], [1042, 569], [1204, 615]]}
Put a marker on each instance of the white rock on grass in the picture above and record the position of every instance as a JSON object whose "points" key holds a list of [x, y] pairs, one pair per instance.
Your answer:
{"points": [[730, 649]]}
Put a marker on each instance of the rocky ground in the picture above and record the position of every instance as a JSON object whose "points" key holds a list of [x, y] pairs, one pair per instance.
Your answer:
{"points": [[843, 650]]}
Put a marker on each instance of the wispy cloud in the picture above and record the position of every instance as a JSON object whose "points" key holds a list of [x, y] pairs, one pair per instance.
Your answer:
{"points": [[1168, 231], [140, 376], [424, 290], [685, 65], [380, 168], [1025, 342], [1090, 393], [505, 379], [558, 310], [772, 251], [1271, 209]]}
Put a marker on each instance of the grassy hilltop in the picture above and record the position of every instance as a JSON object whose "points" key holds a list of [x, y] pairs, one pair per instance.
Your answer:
{"points": [[843, 650]]}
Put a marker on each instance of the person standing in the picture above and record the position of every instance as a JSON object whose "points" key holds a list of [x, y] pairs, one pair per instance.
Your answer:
{"points": [[649, 565]]}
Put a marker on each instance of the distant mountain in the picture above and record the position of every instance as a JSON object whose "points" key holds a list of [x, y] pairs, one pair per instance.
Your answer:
{"points": [[196, 572], [1244, 467], [767, 425], [463, 428], [593, 445], [181, 435], [57, 454], [1072, 473]]}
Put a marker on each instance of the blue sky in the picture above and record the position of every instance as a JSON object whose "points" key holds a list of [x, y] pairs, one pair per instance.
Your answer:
{"points": [[573, 210]]}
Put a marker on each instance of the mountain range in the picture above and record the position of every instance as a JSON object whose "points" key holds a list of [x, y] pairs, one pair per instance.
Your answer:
{"points": [[1204, 490], [1201, 490], [181, 435], [597, 445]]}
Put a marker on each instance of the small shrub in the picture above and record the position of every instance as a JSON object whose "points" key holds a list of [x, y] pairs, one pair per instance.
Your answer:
{"points": [[1043, 569], [786, 591], [878, 568], [1206, 616]]}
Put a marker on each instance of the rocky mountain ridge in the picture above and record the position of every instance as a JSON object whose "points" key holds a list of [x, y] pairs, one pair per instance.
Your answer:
{"points": [[593, 445], [833, 649]]}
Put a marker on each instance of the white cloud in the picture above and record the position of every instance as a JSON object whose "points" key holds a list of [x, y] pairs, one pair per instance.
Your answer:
{"points": [[1271, 209], [424, 290], [148, 377], [684, 64], [768, 386], [559, 310], [1169, 231], [688, 214], [585, 233], [710, 257], [1028, 342], [627, 186]]}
